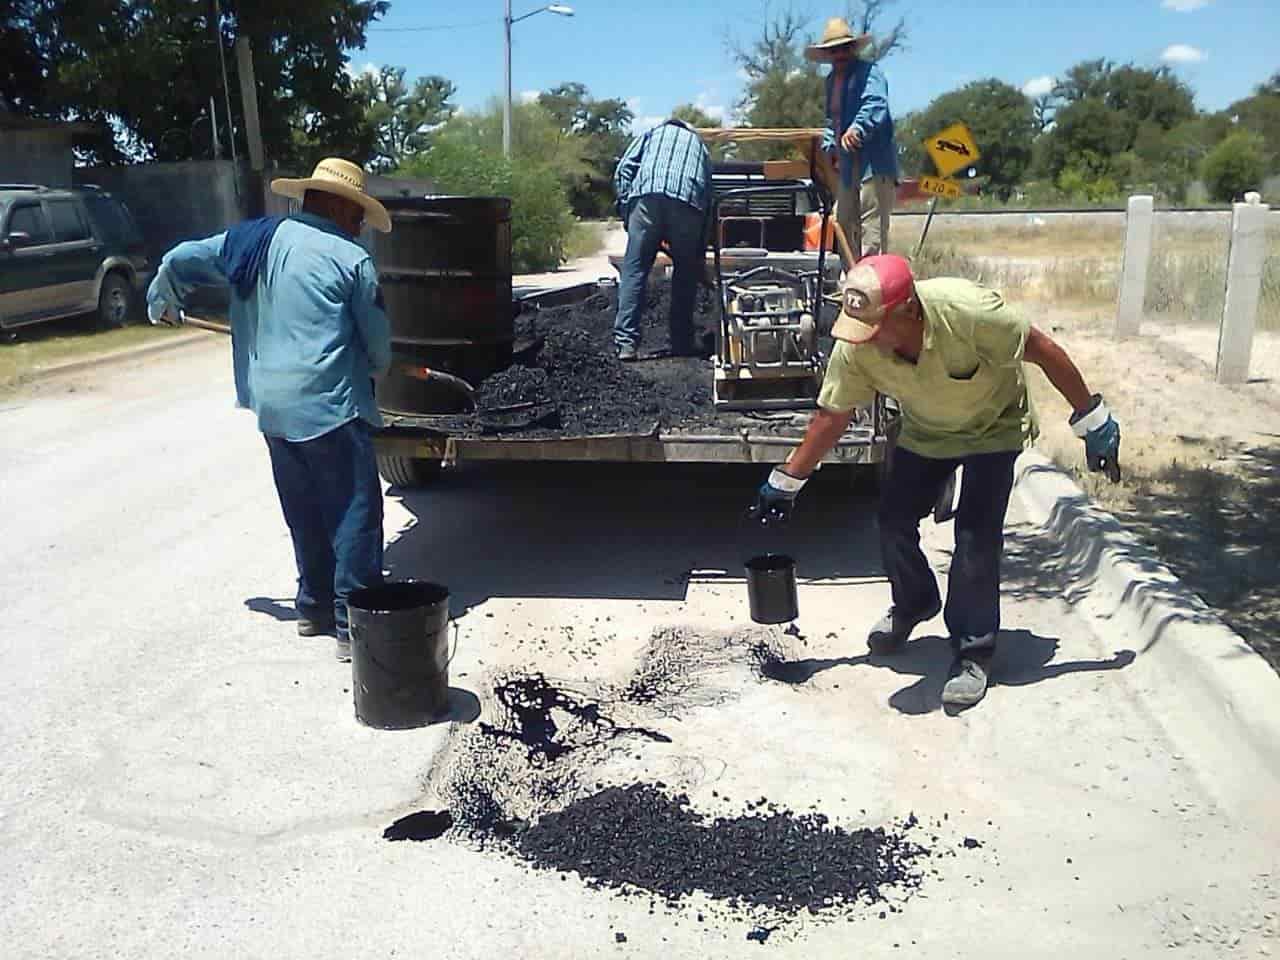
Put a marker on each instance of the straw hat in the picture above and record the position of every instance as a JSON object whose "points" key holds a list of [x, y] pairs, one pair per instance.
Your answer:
{"points": [[872, 288], [341, 177], [836, 34]]}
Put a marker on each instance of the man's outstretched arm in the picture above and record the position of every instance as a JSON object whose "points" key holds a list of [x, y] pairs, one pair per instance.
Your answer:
{"points": [[1091, 421]]}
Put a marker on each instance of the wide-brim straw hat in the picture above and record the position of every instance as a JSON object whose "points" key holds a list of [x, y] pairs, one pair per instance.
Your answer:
{"points": [[341, 177], [836, 34]]}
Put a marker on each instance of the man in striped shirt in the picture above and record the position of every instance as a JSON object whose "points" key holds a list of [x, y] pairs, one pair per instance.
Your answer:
{"points": [[663, 185]]}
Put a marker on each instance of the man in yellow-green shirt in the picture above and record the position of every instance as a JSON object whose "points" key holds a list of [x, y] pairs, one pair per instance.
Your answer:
{"points": [[950, 351]]}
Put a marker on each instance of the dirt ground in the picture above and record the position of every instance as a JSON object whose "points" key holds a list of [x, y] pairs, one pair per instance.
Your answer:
{"points": [[1201, 465]]}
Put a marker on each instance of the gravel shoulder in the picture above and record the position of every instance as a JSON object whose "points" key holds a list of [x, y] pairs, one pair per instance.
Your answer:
{"points": [[1202, 464]]}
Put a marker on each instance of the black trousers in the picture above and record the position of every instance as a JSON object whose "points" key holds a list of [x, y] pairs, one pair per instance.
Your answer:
{"points": [[910, 490]]}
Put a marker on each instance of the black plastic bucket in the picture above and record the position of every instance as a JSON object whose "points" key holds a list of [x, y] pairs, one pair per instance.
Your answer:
{"points": [[771, 588], [400, 653]]}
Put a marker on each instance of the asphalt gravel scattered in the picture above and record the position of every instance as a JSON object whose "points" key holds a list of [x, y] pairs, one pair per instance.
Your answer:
{"points": [[640, 838]]}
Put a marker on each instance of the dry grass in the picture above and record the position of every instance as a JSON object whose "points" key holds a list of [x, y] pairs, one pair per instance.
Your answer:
{"points": [[1081, 281], [50, 344], [1053, 239], [1079, 264], [1208, 505]]}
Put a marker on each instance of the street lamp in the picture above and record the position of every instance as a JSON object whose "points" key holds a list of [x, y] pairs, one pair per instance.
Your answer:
{"points": [[559, 9]]}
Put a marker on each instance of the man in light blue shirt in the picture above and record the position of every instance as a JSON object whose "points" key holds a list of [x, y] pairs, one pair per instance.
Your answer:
{"points": [[663, 185], [308, 334]]}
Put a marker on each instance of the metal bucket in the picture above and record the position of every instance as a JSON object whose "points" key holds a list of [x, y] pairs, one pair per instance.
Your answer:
{"points": [[771, 588], [400, 653]]}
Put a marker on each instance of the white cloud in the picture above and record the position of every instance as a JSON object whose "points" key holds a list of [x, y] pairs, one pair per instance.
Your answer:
{"points": [[1184, 6], [528, 96], [648, 122], [705, 102], [1183, 53], [1039, 86]]}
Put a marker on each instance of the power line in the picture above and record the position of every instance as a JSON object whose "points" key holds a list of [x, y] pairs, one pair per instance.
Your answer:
{"points": [[443, 26]]}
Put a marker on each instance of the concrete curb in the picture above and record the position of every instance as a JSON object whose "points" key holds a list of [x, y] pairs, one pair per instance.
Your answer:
{"points": [[114, 356], [1213, 695]]}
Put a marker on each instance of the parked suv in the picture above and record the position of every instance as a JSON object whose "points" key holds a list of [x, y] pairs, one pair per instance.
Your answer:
{"points": [[67, 252]]}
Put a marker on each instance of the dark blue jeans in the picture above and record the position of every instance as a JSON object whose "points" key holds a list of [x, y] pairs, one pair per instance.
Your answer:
{"points": [[654, 218], [973, 596], [332, 501]]}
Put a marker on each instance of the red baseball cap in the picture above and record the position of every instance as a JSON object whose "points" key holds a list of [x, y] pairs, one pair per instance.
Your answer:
{"points": [[872, 288]]}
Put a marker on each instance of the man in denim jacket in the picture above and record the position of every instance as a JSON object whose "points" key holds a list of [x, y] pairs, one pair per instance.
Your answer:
{"points": [[860, 135]]}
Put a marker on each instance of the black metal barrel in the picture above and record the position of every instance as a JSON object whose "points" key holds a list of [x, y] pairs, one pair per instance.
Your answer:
{"points": [[445, 270]]}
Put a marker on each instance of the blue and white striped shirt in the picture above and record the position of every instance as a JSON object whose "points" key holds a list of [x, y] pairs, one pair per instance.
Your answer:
{"points": [[670, 159]]}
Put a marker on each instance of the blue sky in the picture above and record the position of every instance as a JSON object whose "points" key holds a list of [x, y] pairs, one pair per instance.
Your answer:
{"points": [[659, 53]]}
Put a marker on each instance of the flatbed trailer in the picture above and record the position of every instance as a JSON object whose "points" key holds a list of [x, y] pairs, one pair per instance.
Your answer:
{"points": [[411, 450]]}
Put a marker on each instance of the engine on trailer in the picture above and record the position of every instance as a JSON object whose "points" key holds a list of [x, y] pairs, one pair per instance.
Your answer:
{"points": [[768, 357]]}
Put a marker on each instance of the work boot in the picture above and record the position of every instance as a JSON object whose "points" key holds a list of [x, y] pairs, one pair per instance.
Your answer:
{"points": [[890, 634], [342, 648], [627, 353], [314, 628], [968, 683]]}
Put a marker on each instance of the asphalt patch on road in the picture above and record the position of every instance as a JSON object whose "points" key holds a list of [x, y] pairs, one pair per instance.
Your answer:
{"points": [[562, 778], [424, 825], [529, 702], [641, 839]]}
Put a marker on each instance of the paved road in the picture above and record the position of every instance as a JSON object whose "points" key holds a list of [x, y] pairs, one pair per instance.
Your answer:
{"points": [[182, 776]]}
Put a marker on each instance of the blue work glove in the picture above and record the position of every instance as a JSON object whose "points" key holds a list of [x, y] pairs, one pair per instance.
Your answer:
{"points": [[1101, 436], [776, 498]]}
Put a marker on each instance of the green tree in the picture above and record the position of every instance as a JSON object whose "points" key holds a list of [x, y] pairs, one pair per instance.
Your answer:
{"points": [[1135, 95], [1170, 160], [696, 117], [783, 89], [466, 158], [1260, 113], [1085, 135], [601, 129], [866, 17], [144, 70], [401, 118], [1234, 166], [1001, 119]]}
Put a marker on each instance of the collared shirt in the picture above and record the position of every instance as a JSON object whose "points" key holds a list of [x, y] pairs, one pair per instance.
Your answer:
{"points": [[670, 159], [861, 101], [307, 342], [967, 391]]}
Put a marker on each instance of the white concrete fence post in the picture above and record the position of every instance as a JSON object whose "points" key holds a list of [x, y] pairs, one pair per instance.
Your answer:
{"points": [[1244, 285], [1133, 273]]}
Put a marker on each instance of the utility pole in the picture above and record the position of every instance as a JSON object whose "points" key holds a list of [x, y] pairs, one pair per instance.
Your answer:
{"points": [[506, 100], [249, 96], [560, 10]]}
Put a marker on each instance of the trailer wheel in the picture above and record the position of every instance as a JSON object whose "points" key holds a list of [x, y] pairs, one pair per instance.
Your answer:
{"points": [[409, 472]]}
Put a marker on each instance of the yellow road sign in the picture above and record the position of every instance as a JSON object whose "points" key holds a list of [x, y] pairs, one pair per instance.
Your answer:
{"points": [[953, 149], [940, 187]]}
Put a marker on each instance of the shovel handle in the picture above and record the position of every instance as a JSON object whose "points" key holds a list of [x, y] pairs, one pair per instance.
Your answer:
{"points": [[209, 325]]}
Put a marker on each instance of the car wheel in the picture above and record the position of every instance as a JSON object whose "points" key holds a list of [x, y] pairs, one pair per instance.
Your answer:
{"points": [[115, 301]]}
